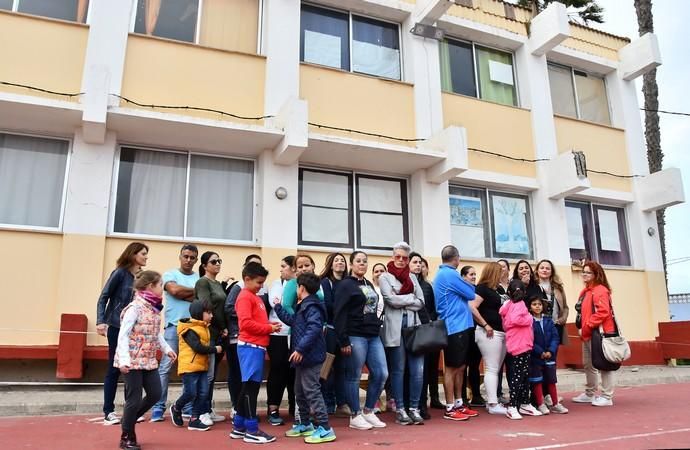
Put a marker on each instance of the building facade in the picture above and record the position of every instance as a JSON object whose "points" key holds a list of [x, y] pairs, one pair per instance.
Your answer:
{"points": [[270, 126]]}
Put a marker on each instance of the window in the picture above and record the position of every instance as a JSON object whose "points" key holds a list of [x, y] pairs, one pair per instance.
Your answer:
{"points": [[577, 94], [327, 216], [597, 232], [184, 195], [476, 71], [489, 224], [32, 180], [72, 10], [373, 48], [172, 19]]}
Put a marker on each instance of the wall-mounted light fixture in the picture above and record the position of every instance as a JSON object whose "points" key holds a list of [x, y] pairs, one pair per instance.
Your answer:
{"points": [[281, 193]]}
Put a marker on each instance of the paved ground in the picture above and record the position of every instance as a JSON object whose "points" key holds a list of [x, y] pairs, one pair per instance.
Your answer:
{"points": [[643, 417]]}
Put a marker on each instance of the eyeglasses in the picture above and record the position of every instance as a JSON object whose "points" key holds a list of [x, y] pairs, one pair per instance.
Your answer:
{"points": [[401, 258], [215, 262]]}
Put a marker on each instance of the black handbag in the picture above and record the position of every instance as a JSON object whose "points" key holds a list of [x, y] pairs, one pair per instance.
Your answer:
{"points": [[425, 338], [599, 361]]}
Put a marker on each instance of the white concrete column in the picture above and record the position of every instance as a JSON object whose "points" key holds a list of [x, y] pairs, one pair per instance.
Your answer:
{"points": [[429, 216], [277, 219]]}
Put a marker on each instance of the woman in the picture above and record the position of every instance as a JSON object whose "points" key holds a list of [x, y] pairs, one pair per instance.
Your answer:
{"points": [[488, 334], [474, 356], [376, 272], [117, 293], [505, 275], [403, 298], [280, 374], [357, 327], [333, 388], [209, 289], [594, 309], [552, 286], [524, 272]]}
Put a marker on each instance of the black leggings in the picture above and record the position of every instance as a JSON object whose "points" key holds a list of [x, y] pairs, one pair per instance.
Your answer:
{"points": [[234, 375], [247, 401], [135, 406], [280, 374], [518, 379]]}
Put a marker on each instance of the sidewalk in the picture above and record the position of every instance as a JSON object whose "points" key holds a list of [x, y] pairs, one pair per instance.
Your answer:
{"points": [[58, 399]]}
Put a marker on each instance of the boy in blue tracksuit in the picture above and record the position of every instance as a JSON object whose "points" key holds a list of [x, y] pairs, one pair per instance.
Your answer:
{"points": [[308, 352], [542, 364]]}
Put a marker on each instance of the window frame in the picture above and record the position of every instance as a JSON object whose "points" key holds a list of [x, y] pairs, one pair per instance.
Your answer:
{"points": [[63, 202], [486, 195], [354, 210], [572, 71], [185, 237], [475, 71], [87, 19], [350, 16], [197, 33]]}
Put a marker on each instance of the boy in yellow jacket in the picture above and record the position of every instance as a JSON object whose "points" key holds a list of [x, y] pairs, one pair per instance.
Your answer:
{"points": [[192, 363]]}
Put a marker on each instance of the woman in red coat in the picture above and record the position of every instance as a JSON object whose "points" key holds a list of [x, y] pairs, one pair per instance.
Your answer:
{"points": [[594, 309]]}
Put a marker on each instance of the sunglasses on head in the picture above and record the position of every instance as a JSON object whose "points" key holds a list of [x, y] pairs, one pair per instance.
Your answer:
{"points": [[215, 262]]}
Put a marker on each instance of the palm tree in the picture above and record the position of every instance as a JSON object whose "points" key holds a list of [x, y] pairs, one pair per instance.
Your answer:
{"points": [[652, 133], [586, 10]]}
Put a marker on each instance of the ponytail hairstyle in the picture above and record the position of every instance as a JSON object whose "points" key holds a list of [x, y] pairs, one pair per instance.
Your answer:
{"points": [[204, 260]]}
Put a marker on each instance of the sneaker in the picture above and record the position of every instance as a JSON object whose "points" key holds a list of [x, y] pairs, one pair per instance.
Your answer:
{"points": [[373, 420], [558, 408], [157, 415], [237, 433], [320, 435], [377, 408], [176, 416], [402, 418], [583, 398], [129, 442], [141, 419], [111, 419], [455, 414], [299, 429], [601, 401], [258, 437], [197, 425], [343, 411], [468, 412], [206, 419], [216, 417], [477, 400], [547, 400], [512, 413], [275, 419], [543, 409], [497, 409], [529, 410], [416, 416], [358, 422]]}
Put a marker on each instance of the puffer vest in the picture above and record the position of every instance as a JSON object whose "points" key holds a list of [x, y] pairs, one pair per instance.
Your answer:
{"points": [[188, 360], [143, 339]]}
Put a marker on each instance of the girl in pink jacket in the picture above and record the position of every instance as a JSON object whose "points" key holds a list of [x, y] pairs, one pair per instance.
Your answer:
{"points": [[517, 324]]}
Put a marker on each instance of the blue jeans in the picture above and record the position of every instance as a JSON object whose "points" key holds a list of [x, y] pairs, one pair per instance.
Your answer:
{"points": [[113, 373], [367, 350], [415, 363], [170, 336], [194, 389]]}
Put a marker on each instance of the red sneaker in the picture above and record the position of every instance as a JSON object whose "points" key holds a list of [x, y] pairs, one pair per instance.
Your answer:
{"points": [[467, 411], [455, 414]]}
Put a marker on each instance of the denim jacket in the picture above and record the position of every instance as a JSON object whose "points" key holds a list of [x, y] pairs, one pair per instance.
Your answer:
{"points": [[117, 293]]}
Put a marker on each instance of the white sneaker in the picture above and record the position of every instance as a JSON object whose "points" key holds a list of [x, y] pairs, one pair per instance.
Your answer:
{"points": [[559, 409], [141, 419], [216, 417], [497, 409], [601, 401], [512, 413], [547, 400], [206, 419], [529, 410], [111, 419], [358, 422], [373, 420], [543, 409], [583, 398]]}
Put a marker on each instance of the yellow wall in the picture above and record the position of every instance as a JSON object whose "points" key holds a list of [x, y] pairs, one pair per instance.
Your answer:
{"points": [[360, 102], [496, 128], [230, 25], [47, 54], [604, 148], [159, 71]]}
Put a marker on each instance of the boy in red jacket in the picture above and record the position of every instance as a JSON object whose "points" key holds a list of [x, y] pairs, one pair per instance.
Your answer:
{"points": [[251, 351]]}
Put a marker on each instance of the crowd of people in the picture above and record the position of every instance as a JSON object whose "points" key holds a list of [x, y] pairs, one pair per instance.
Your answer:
{"points": [[320, 331]]}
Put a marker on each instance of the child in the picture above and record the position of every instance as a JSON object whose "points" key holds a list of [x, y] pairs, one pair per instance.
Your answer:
{"points": [[542, 363], [517, 325], [139, 339], [308, 347], [251, 351], [192, 364]]}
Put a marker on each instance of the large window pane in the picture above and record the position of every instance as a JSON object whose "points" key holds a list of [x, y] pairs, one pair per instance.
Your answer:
{"points": [[562, 92], [612, 236], [496, 81], [172, 19], [6, 4], [580, 231], [468, 223], [32, 177], [457, 68], [74, 10], [211, 180], [325, 208], [591, 95], [325, 37], [151, 193], [382, 211], [375, 48], [511, 227]]}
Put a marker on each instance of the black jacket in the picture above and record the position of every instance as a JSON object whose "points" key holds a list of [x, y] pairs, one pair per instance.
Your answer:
{"points": [[328, 287], [355, 310], [306, 330], [429, 300]]}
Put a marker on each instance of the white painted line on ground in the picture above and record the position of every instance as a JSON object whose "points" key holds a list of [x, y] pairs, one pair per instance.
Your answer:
{"points": [[610, 439]]}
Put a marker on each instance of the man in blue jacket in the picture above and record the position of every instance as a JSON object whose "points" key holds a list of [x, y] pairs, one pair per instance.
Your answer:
{"points": [[453, 295]]}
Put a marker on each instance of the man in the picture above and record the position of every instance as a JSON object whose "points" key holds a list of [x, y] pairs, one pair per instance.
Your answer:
{"points": [[178, 285], [452, 295]]}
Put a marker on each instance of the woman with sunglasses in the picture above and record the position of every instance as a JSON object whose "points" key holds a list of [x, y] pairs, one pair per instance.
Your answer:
{"points": [[209, 289]]}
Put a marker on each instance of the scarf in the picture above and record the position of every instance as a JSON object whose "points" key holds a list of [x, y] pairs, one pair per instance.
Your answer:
{"points": [[403, 276], [154, 300]]}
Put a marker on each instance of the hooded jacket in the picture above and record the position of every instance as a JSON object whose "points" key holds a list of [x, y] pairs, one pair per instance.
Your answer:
{"points": [[546, 339], [194, 338], [517, 325], [307, 330]]}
